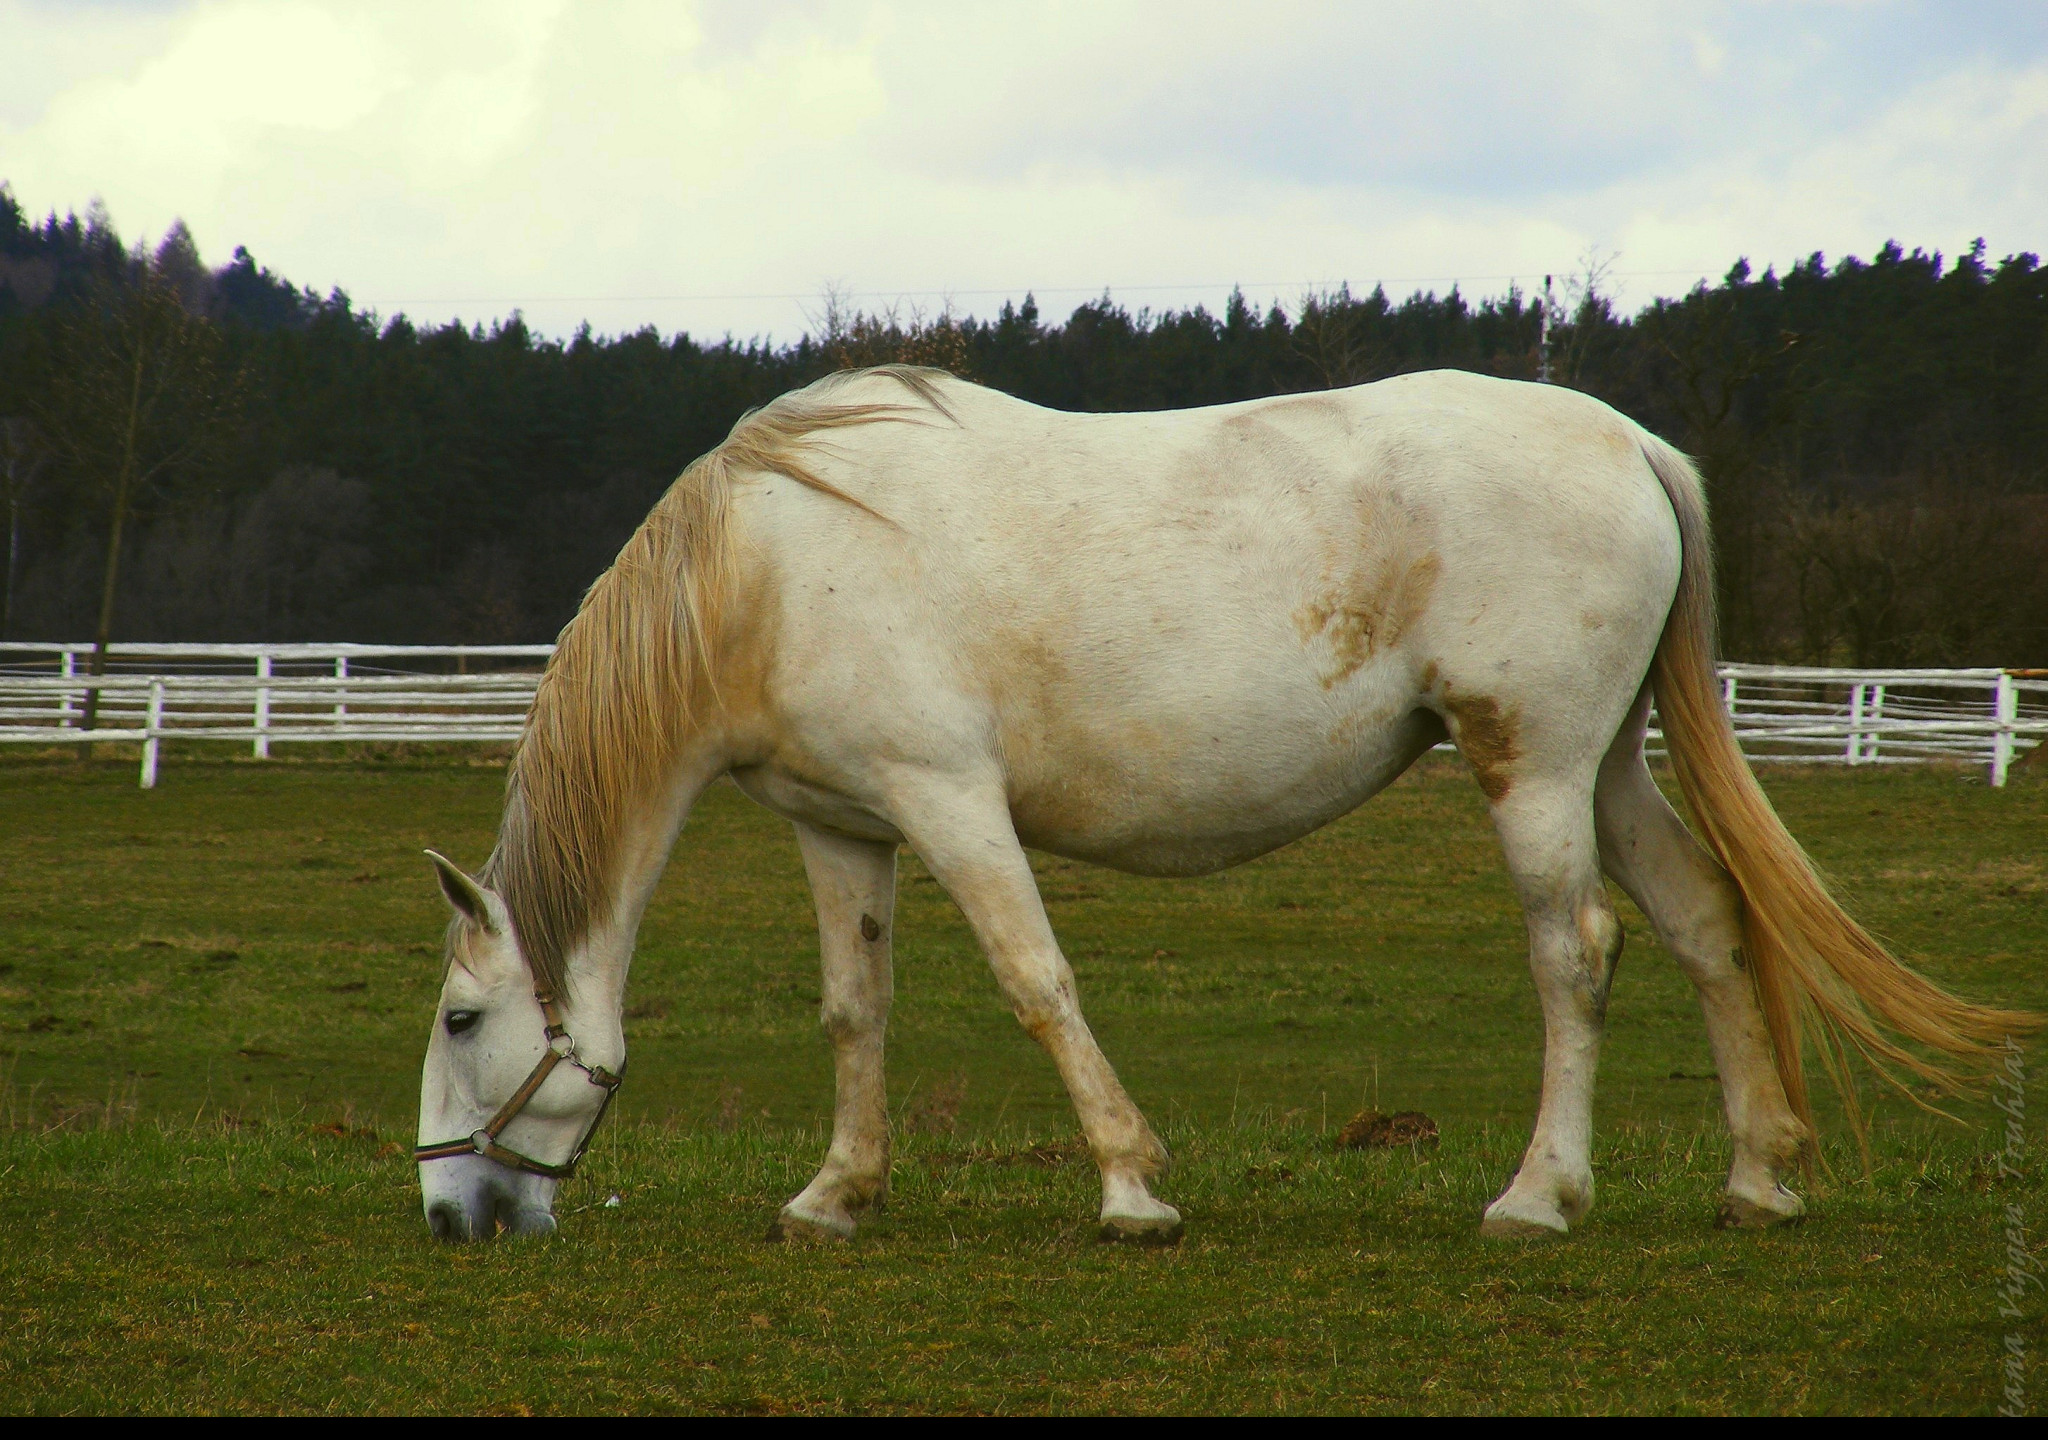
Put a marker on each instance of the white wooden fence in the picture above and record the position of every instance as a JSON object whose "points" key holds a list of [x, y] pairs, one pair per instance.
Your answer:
{"points": [[1887, 717], [264, 695]]}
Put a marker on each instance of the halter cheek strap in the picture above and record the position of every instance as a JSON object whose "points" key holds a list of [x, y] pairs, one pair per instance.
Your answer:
{"points": [[484, 1142]]}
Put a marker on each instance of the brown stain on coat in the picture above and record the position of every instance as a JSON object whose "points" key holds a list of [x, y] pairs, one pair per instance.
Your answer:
{"points": [[1488, 738], [1369, 612], [1602, 939], [1071, 773]]}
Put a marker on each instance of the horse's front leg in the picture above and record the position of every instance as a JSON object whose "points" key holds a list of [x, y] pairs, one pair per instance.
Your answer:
{"points": [[966, 840], [854, 885]]}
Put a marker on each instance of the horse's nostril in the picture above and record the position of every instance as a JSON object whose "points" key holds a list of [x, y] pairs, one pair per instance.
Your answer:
{"points": [[510, 1217], [445, 1220]]}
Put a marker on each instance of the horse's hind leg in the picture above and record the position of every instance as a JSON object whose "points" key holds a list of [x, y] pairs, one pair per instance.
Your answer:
{"points": [[1698, 915], [965, 838], [854, 885], [1546, 833]]}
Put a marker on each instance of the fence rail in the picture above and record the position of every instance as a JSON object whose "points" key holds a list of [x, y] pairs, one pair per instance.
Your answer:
{"points": [[265, 695], [1887, 717]]}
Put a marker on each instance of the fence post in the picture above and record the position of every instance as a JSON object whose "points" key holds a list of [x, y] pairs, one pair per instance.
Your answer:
{"points": [[1875, 716], [262, 708], [1728, 695], [64, 706], [340, 673], [1855, 753], [2005, 710], [151, 726]]}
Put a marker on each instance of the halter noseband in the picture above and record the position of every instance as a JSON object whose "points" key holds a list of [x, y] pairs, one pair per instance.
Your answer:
{"points": [[484, 1142]]}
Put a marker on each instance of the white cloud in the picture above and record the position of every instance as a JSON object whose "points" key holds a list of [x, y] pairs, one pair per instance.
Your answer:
{"points": [[592, 160], [1960, 157]]}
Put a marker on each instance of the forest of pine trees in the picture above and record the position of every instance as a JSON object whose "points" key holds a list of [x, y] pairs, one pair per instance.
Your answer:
{"points": [[279, 465]]}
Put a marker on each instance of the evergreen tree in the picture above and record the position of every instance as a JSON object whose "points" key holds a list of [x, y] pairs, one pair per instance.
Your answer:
{"points": [[1872, 432]]}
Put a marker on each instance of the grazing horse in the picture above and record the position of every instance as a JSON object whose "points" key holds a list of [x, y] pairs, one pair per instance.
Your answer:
{"points": [[897, 608]]}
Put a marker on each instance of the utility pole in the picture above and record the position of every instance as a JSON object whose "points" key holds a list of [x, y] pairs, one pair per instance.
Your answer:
{"points": [[1543, 338]]}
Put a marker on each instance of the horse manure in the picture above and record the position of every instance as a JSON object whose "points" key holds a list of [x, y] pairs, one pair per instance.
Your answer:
{"points": [[938, 1111], [1371, 1130]]}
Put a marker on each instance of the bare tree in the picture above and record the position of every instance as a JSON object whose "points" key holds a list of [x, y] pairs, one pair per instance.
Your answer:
{"points": [[22, 458], [1334, 335], [1579, 318], [142, 391], [300, 547], [1935, 567], [853, 339]]}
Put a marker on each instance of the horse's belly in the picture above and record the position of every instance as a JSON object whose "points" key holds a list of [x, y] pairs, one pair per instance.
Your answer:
{"points": [[1210, 805]]}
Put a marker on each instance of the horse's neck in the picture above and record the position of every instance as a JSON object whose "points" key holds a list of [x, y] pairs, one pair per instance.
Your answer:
{"points": [[598, 966]]}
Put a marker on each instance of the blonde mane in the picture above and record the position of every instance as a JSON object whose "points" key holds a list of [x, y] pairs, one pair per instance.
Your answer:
{"points": [[631, 679]]}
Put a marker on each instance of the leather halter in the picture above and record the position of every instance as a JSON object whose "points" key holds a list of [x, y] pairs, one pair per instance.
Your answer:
{"points": [[484, 1142]]}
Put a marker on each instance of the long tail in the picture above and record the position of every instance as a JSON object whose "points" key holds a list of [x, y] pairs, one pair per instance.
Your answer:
{"points": [[1817, 972]]}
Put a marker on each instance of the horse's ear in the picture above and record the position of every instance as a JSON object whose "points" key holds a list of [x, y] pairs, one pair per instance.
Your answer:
{"points": [[483, 908]]}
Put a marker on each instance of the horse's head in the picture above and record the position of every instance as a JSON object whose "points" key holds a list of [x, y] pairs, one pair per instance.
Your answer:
{"points": [[507, 1102]]}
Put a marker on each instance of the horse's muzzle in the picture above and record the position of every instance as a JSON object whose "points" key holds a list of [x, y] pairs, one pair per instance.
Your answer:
{"points": [[472, 1198]]}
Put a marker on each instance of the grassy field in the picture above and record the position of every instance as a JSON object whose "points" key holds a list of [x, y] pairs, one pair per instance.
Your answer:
{"points": [[213, 998]]}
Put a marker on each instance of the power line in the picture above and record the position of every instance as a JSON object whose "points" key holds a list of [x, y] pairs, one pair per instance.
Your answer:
{"points": [[809, 295]]}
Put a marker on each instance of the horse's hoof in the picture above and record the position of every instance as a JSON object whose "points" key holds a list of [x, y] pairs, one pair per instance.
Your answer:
{"points": [[790, 1228], [1154, 1232], [1522, 1220], [1740, 1213]]}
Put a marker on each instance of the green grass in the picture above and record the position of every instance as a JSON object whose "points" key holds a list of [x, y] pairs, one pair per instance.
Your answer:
{"points": [[200, 986]]}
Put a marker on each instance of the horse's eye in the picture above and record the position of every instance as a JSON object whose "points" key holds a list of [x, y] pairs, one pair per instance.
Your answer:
{"points": [[460, 1020]]}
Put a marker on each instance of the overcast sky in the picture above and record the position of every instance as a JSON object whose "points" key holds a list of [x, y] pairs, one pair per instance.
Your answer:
{"points": [[714, 167]]}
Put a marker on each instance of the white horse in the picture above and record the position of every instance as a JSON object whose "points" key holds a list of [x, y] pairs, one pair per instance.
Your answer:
{"points": [[897, 608]]}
